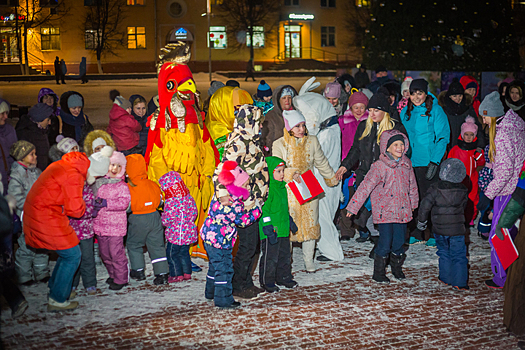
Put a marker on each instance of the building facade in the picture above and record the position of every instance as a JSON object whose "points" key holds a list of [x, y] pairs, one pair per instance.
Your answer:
{"points": [[301, 29]]}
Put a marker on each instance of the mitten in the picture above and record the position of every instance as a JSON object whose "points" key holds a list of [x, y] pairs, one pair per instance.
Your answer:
{"points": [[421, 225], [270, 233], [500, 234], [293, 226], [98, 203], [484, 203], [432, 170]]}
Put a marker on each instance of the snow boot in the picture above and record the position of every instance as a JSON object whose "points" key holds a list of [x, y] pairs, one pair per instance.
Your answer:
{"points": [[161, 279], [396, 263], [380, 269], [374, 240], [138, 275], [55, 306]]}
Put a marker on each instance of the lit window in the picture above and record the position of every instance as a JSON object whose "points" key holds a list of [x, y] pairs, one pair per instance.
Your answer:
{"points": [[90, 38], [218, 38], [327, 36], [362, 3], [327, 3], [258, 38], [136, 38], [291, 2], [50, 38], [135, 2]]}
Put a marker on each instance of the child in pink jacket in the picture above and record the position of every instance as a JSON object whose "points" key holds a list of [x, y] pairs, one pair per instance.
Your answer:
{"points": [[112, 199], [391, 185]]}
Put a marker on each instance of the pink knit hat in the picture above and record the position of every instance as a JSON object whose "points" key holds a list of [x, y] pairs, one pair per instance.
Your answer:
{"points": [[332, 90], [357, 97], [469, 125], [119, 158]]}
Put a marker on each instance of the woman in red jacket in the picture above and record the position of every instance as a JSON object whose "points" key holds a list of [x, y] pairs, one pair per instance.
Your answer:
{"points": [[56, 195], [466, 151], [123, 128]]}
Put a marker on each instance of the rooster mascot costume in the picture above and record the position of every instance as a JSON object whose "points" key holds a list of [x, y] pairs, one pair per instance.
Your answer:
{"points": [[178, 139]]}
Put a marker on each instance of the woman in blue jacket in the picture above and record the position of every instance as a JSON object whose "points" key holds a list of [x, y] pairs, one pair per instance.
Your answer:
{"points": [[429, 133]]}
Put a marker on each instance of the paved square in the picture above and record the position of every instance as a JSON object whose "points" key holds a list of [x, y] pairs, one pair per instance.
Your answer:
{"points": [[338, 307]]}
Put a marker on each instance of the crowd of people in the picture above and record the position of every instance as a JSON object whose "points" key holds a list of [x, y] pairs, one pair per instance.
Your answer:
{"points": [[398, 165]]}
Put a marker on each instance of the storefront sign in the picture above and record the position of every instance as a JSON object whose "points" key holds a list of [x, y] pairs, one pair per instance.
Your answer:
{"points": [[12, 17], [304, 17], [181, 34]]}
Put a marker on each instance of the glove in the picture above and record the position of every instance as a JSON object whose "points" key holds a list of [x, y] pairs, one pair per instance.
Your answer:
{"points": [[484, 203], [270, 233], [293, 226], [499, 233], [98, 203], [421, 225], [432, 170]]}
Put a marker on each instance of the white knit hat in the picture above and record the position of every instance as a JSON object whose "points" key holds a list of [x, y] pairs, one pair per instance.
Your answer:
{"points": [[100, 162], [405, 85], [97, 142], [292, 118]]}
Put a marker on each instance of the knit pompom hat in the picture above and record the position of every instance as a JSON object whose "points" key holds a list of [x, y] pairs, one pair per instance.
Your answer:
{"points": [[263, 90], [452, 170], [20, 149], [292, 118], [469, 125], [172, 185], [332, 90], [118, 158], [405, 85], [233, 177], [99, 165], [122, 102], [357, 97], [66, 144]]}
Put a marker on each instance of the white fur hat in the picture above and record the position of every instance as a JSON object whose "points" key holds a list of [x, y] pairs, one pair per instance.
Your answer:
{"points": [[100, 162]]}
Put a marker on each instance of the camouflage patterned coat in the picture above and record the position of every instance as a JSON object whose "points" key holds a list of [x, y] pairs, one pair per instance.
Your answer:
{"points": [[243, 147]]}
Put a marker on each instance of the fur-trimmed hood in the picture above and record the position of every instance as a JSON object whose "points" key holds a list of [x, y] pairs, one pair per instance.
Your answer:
{"points": [[92, 136]]}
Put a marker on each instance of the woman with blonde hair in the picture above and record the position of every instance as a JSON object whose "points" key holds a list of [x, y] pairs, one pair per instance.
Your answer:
{"points": [[365, 151]]}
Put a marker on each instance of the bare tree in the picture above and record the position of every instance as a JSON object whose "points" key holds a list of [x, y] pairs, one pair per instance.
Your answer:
{"points": [[357, 21], [244, 15], [103, 20], [35, 14]]}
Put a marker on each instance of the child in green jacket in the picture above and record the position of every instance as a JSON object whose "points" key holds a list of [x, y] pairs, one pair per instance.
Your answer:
{"points": [[274, 229]]}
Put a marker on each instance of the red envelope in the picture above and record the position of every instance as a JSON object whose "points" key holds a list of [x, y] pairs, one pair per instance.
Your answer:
{"points": [[506, 250], [308, 189]]}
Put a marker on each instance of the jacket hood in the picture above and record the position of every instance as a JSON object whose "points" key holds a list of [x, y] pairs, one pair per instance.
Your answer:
{"points": [[118, 112], [136, 168], [451, 107], [92, 136], [132, 99], [273, 162], [511, 120], [77, 160], [314, 107], [64, 98], [518, 104], [385, 136], [221, 111], [47, 91], [247, 123], [467, 79], [276, 96]]}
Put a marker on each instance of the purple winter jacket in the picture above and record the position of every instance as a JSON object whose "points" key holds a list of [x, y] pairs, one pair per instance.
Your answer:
{"points": [[83, 226], [112, 220], [348, 125], [510, 155], [391, 186]]}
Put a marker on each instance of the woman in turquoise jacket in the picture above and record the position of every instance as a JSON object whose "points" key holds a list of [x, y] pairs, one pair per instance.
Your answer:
{"points": [[429, 133]]}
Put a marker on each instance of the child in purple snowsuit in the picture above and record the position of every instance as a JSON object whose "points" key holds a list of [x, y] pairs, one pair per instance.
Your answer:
{"points": [[112, 199], [84, 229], [180, 213], [219, 233]]}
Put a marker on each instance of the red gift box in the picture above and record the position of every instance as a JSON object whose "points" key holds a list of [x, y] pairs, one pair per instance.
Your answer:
{"points": [[308, 188]]}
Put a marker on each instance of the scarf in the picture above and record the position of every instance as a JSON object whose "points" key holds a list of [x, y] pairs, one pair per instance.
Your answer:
{"points": [[453, 108], [77, 122]]}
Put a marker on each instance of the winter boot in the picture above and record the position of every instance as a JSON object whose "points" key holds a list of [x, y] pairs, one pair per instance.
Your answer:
{"points": [[396, 262], [116, 286], [270, 288], [161, 279], [308, 255], [187, 276], [138, 275], [379, 269], [374, 240], [55, 306]]}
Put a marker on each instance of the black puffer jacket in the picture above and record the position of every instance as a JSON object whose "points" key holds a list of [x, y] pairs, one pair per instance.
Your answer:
{"points": [[28, 130], [446, 201], [366, 151], [456, 114]]}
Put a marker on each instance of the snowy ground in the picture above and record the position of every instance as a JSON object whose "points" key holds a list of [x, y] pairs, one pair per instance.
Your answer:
{"points": [[96, 92], [139, 312]]}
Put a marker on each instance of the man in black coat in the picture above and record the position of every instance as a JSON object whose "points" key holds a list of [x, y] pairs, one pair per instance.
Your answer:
{"points": [[58, 70]]}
